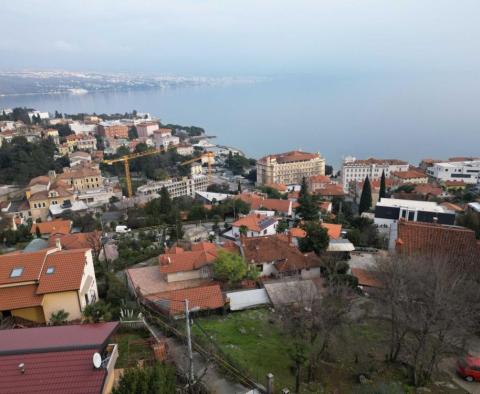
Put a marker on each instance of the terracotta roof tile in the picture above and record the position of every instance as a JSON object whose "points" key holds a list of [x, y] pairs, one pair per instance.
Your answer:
{"points": [[291, 156], [255, 222], [16, 297], [31, 263], [203, 298], [39, 180], [297, 232], [68, 265], [178, 260], [76, 240], [456, 244], [52, 227], [408, 174], [366, 277], [330, 190], [334, 230]]}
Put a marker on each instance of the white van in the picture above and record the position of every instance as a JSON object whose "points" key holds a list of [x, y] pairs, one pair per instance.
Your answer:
{"points": [[122, 229]]}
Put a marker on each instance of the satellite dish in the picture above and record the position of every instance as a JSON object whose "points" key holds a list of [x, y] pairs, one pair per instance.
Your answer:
{"points": [[97, 360]]}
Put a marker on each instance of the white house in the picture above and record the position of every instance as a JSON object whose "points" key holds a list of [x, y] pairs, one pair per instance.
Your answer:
{"points": [[466, 171], [164, 138], [256, 225], [146, 129]]}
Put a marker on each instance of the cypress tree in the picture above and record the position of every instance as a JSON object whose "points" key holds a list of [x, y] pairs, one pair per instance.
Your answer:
{"points": [[383, 188], [308, 208], [366, 197]]}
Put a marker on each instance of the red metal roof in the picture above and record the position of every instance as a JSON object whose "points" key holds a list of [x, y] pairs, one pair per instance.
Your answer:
{"points": [[54, 338], [50, 373]]}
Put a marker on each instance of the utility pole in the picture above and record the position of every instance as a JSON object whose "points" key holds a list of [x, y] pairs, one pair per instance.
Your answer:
{"points": [[189, 344]]}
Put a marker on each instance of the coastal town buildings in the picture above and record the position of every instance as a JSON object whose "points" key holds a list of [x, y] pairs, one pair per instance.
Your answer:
{"points": [[146, 129], [389, 211], [186, 186], [113, 129], [456, 171], [357, 170], [163, 138], [289, 168]]}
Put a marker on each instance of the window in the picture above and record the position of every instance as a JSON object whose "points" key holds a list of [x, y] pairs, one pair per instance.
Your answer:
{"points": [[16, 272], [50, 270]]}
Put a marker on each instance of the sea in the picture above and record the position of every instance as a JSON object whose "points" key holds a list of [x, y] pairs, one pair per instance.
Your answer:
{"points": [[403, 116]]}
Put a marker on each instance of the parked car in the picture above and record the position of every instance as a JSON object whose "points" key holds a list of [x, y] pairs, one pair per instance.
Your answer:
{"points": [[122, 229], [469, 368]]}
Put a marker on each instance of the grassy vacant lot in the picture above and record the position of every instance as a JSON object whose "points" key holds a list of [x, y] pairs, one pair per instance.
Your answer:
{"points": [[132, 346], [254, 342]]}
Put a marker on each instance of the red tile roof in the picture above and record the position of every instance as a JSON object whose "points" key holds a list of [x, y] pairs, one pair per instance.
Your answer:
{"points": [[281, 187], [68, 272], [334, 230], [291, 156], [276, 248], [39, 180], [56, 359], [366, 277], [75, 336], [77, 240], [69, 266], [203, 298], [408, 174], [178, 260], [454, 184], [254, 222], [435, 241], [320, 179], [297, 232], [330, 190], [428, 189], [52, 227], [257, 202], [17, 297]]}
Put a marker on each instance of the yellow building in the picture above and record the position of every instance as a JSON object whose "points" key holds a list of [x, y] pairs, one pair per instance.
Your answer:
{"points": [[35, 285], [44, 191], [81, 177], [289, 168]]}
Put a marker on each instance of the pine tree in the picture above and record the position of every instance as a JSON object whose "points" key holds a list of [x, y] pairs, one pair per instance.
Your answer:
{"points": [[383, 192], [366, 197], [239, 188], [308, 207]]}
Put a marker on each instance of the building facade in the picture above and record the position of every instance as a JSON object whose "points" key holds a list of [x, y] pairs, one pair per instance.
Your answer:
{"points": [[113, 129], [146, 129], [466, 171], [289, 168], [176, 187], [358, 170]]}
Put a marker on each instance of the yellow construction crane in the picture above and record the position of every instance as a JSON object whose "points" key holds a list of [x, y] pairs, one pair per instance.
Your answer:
{"points": [[126, 164], [210, 156]]}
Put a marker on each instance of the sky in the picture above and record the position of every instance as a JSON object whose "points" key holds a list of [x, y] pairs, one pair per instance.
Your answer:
{"points": [[241, 37]]}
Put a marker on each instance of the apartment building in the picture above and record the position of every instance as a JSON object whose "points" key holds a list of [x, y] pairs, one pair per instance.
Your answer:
{"points": [[81, 178], [113, 129], [146, 129], [164, 138], [465, 171], [358, 170], [289, 168], [81, 142], [176, 187]]}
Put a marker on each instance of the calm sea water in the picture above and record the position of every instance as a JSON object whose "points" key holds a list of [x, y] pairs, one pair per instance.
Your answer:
{"points": [[388, 116]]}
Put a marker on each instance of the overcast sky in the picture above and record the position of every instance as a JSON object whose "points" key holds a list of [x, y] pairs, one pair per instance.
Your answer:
{"points": [[241, 37]]}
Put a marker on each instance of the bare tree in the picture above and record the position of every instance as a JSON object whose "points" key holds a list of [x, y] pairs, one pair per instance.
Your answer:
{"points": [[310, 319], [94, 241], [432, 304]]}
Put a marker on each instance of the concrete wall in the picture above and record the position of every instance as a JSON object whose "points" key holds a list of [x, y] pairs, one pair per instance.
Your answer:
{"points": [[311, 273], [89, 270], [33, 314], [68, 301]]}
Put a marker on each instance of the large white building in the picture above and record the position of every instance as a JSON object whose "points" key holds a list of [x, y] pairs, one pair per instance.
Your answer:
{"points": [[289, 168], [358, 170], [176, 187], [465, 171], [390, 210]]}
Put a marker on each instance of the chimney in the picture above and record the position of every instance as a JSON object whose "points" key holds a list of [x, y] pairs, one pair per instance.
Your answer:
{"points": [[435, 220], [21, 367], [52, 175], [58, 244], [289, 235]]}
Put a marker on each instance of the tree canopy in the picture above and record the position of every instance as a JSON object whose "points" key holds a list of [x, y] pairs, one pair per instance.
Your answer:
{"points": [[316, 239], [231, 268], [308, 208], [159, 379], [366, 197]]}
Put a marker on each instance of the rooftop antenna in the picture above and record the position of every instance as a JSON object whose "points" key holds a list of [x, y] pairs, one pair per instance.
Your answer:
{"points": [[97, 360]]}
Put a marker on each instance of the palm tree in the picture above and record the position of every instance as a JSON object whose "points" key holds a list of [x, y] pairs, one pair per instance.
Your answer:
{"points": [[59, 317]]}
